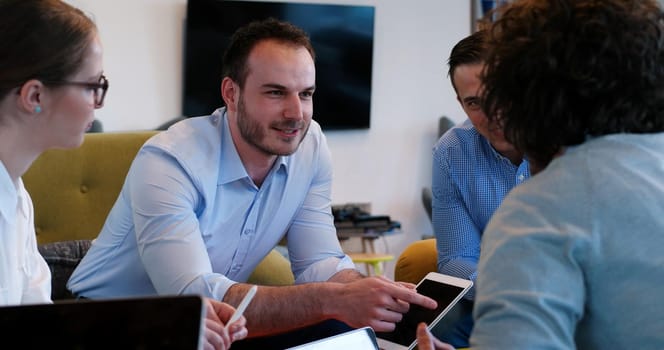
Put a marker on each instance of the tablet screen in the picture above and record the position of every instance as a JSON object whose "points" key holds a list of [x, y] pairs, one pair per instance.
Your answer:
{"points": [[443, 294]]}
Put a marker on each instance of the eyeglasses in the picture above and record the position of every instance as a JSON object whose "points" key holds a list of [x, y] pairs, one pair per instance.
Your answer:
{"points": [[99, 89]]}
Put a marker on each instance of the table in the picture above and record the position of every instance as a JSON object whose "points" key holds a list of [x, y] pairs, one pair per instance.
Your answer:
{"points": [[372, 260]]}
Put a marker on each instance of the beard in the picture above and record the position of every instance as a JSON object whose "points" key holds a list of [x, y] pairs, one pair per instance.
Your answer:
{"points": [[253, 132]]}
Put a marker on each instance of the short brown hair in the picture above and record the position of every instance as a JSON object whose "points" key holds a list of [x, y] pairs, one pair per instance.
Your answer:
{"points": [[246, 38], [469, 50]]}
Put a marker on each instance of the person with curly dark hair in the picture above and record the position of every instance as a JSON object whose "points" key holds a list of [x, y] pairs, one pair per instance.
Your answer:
{"points": [[572, 258], [575, 72]]}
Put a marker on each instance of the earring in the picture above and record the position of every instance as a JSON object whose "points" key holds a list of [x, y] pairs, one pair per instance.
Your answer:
{"points": [[38, 109]]}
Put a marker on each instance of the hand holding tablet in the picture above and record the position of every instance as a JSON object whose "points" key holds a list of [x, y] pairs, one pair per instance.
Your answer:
{"points": [[446, 290]]}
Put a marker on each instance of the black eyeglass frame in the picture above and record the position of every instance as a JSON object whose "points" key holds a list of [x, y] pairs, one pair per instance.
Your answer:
{"points": [[96, 87]]}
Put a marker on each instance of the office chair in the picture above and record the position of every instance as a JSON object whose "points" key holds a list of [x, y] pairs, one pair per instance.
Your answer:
{"points": [[444, 124]]}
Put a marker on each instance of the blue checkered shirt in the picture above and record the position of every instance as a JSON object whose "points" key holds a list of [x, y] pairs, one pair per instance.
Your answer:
{"points": [[470, 179]]}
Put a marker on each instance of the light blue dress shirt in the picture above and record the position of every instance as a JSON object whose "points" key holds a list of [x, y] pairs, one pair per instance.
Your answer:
{"points": [[469, 181], [573, 257], [189, 218]]}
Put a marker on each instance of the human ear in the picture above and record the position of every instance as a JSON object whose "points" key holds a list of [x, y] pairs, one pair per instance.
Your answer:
{"points": [[230, 93], [30, 97]]}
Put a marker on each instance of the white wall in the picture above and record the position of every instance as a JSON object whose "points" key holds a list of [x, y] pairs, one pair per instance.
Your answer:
{"points": [[386, 165]]}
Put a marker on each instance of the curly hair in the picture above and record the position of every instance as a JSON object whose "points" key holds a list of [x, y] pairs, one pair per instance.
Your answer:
{"points": [[560, 71]]}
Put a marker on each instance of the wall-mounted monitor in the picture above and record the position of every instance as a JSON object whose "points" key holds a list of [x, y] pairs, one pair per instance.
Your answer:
{"points": [[342, 36]]}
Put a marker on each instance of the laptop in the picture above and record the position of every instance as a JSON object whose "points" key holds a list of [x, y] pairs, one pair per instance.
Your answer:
{"points": [[356, 339], [163, 322]]}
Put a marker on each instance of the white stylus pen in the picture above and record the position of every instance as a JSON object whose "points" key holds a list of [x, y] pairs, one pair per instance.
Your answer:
{"points": [[243, 304]]}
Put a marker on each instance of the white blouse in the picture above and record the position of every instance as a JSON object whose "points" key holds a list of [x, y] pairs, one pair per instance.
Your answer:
{"points": [[24, 275]]}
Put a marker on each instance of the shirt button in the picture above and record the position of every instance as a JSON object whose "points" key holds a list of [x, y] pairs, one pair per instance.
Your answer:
{"points": [[521, 177], [248, 232]]}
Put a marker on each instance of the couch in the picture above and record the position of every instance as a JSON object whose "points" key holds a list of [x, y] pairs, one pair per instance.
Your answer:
{"points": [[73, 191]]}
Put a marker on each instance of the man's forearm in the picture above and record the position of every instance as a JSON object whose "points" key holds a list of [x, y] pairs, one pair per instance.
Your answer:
{"points": [[279, 309]]}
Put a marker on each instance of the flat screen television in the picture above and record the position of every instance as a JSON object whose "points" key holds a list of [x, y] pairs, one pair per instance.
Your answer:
{"points": [[342, 36]]}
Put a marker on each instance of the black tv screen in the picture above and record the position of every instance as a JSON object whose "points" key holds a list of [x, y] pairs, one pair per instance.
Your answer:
{"points": [[342, 36]]}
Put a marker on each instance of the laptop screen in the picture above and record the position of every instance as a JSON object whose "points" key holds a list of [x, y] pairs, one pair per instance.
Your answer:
{"points": [[169, 322]]}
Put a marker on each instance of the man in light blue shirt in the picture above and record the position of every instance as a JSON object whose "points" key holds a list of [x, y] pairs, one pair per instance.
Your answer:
{"points": [[205, 201], [474, 168]]}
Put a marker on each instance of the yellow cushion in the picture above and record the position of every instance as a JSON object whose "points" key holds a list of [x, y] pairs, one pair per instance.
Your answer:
{"points": [[418, 259], [73, 190], [274, 270]]}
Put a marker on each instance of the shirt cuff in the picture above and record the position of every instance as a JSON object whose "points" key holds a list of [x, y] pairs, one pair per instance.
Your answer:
{"points": [[324, 269], [212, 285]]}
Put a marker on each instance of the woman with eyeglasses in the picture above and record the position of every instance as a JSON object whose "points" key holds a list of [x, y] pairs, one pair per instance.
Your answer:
{"points": [[51, 82]]}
